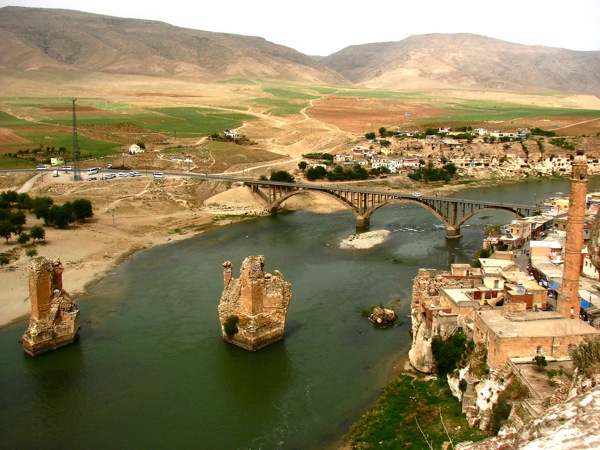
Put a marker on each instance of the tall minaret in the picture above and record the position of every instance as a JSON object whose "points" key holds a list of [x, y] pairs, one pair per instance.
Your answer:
{"points": [[568, 303]]}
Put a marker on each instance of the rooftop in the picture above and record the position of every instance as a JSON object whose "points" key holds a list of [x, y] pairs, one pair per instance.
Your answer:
{"points": [[534, 324]]}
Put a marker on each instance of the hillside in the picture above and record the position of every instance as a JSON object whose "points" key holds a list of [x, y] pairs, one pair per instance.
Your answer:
{"points": [[467, 61], [41, 44], [63, 41]]}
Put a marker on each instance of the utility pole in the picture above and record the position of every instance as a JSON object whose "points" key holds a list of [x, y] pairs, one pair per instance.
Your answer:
{"points": [[76, 171]]}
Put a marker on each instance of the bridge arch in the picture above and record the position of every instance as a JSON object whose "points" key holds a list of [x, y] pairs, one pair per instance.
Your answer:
{"points": [[275, 206], [452, 229]]}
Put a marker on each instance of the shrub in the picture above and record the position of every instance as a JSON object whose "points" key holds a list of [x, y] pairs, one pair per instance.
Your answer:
{"points": [[514, 391], [31, 252], [586, 356], [230, 325], [448, 353], [540, 363]]}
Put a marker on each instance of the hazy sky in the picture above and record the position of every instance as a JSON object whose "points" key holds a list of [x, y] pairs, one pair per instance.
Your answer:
{"points": [[322, 27]]}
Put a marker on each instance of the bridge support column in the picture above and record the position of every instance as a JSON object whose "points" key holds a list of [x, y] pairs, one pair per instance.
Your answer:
{"points": [[363, 222], [452, 233]]}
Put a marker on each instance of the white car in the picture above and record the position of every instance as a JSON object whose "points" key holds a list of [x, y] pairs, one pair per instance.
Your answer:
{"points": [[158, 175], [122, 175], [416, 194], [42, 168]]}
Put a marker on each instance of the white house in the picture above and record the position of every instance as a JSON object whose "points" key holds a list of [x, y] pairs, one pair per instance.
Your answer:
{"points": [[135, 149], [231, 133]]}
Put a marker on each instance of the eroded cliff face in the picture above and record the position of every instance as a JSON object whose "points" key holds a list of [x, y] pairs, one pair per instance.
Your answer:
{"points": [[54, 320], [253, 307], [573, 425]]}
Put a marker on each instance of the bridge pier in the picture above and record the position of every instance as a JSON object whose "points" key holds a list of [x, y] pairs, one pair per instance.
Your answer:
{"points": [[452, 233], [363, 222]]}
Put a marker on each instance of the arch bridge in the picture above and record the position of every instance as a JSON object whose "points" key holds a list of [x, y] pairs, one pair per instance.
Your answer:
{"points": [[452, 212]]}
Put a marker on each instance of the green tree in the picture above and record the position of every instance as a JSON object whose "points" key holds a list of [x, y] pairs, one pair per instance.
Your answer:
{"points": [[586, 356], [370, 135], [282, 176], [316, 173], [302, 165], [82, 209], [6, 230], [382, 132], [37, 232], [448, 353], [41, 207], [25, 201], [23, 239]]}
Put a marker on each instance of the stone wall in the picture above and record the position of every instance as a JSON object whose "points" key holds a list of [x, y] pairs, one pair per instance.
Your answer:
{"points": [[54, 320], [253, 307]]}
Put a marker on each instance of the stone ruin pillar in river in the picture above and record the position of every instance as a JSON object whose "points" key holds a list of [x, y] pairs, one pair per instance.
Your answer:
{"points": [[254, 306], [54, 320]]}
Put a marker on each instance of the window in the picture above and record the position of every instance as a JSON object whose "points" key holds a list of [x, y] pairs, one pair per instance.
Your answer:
{"points": [[538, 351]]}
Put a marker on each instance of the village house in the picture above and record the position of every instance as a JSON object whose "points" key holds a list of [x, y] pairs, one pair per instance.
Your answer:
{"points": [[231, 133], [134, 149]]}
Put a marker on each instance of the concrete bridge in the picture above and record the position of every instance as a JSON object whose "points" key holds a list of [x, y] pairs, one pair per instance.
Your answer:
{"points": [[452, 212]]}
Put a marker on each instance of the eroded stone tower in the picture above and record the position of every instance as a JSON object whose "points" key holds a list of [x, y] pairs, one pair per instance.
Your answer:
{"points": [[253, 307], [568, 303], [54, 320]]}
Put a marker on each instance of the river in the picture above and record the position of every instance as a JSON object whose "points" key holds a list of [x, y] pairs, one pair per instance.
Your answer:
{"points": [[151, 370]]}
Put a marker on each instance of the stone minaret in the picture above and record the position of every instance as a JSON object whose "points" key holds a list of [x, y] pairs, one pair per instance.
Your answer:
{"points": [[568, 303]]}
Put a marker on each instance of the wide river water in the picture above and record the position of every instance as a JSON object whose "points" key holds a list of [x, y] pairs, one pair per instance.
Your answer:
{"points": [[151, 370]]}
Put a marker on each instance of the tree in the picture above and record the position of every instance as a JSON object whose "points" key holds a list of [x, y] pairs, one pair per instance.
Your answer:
{"points": [[448, 353], [370, 136], [41, 207], [6, 230], [25, 201], [316, 173], [23, 239], [586, 356], [37, 232], [382, 132], [59, 216], [302, 165], [540, 363], [282, 175], [82, 209]]}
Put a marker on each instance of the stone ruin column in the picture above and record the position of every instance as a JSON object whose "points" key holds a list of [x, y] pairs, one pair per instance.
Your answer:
{"points": [[54, 320], [253, 307]]}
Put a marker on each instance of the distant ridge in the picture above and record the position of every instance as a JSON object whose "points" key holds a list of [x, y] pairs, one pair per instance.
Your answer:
{"points": [[468, 61], [37, 39], [67, 43]]}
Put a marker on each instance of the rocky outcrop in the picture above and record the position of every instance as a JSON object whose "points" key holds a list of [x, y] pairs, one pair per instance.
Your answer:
{"points": [[253, 307], [54, 320], [572, 425], [382, 316]]}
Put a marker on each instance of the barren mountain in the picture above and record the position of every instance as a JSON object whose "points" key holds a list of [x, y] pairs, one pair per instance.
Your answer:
{"points": [[468, 61], [40, 44], [63, 40]]}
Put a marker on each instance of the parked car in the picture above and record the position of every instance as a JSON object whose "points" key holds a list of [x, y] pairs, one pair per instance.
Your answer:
{"points": [[122, 175], [416, 194], [108, 176], [135, 174], [92, 178], [41, 167], [66, 168], [158, 175]]}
